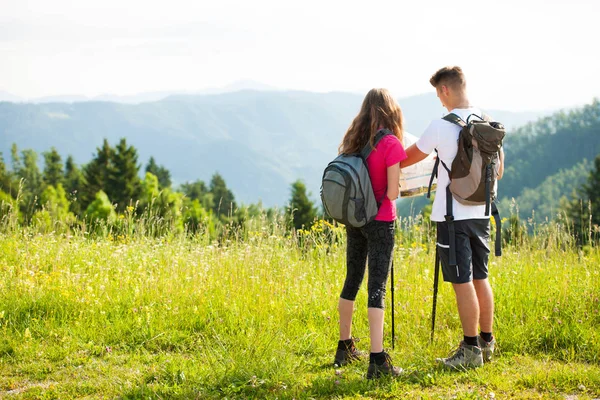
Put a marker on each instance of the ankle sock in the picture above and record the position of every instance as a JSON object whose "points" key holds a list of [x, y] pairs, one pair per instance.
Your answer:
{"points": [[471, 340], [487, 336], [377, 358], [345, 344]]}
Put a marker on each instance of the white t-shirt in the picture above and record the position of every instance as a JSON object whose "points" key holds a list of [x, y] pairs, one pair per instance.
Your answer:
{"points": [[443, 136]]}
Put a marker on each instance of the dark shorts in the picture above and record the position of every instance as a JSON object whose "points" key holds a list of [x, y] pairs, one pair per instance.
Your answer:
{"points": [[472, 250]]}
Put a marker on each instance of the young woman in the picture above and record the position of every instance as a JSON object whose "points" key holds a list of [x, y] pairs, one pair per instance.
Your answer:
{"points": [[376, 239]]}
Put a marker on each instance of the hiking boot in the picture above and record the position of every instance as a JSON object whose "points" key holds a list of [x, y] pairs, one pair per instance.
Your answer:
{"points": [[487, 348], [466, 356], [377, 370], [345, 353]]}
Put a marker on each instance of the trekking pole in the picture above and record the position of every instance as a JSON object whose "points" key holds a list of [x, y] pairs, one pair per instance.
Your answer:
{"points": [[393, 333], [436, 279]]}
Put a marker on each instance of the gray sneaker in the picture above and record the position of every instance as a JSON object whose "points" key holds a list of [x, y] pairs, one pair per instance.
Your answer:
{"points": [[487, 348], [464, 357]]}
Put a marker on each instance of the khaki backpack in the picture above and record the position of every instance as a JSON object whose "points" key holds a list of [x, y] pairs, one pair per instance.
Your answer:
{"points": [[474, 169], [473, 172]]}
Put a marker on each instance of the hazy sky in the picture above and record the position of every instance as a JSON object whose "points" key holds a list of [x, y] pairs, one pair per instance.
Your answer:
{"points": [[518, 55]]}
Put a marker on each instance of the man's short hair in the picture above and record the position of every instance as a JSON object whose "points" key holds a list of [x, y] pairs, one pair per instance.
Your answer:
{"points": [[449, 76]]}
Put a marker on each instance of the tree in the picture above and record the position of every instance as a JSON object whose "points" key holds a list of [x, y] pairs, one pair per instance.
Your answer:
{"points": [[163, 174], [53, 170], [55, 211], [101, 209], [163, 207], [584, 208], [5, 177], [73, 182], [194, 215], [303, 210], [16, 161], [198, 191], [32, 182], [123, 183], [224, 201], [95, 174]]}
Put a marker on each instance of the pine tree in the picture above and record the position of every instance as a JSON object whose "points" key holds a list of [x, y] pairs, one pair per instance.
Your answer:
{"points": [[95, 174], [592, 190], [53, 169], [73, 183], [223, 199], [32, 182], [124, 184], [5, 180], [303, 210], [194, 190], [584, 208], [163, 174], [16, 161], [198, 191]]}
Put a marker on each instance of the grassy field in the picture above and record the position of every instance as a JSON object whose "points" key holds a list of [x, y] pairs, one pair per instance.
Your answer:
{"points": [[255, 317]]}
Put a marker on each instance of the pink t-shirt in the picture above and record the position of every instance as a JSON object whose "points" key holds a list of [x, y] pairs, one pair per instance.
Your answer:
{"points": [[389, 151]]}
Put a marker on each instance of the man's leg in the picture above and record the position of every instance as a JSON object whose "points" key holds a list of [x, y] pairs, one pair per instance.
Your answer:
{"points": [[468, 307], [468, 354], [485, 299], [480, 236]]}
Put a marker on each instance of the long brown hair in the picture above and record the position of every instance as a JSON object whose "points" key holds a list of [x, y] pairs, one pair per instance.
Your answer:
{"points": [[379, 110]]}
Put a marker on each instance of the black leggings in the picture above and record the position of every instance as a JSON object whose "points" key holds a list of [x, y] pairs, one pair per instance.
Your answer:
{"points": [[376, 240]]}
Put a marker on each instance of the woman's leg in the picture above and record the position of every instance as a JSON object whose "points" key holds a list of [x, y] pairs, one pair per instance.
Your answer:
{"points": [[380, 235], [376, 329], [345, 308], [356, 259]]}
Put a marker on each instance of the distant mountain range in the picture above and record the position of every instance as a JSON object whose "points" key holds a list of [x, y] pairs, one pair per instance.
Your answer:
{"points": [[259, 141], [140, 97]]}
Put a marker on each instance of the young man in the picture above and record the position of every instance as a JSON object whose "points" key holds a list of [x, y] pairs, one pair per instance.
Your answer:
{"points": [[472, 227]]}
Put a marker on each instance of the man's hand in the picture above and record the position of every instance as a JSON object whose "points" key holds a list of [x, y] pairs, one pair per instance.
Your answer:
{"points": [[414, 156]]}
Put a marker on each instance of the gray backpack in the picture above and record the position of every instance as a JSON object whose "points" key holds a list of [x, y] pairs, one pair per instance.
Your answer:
{"points": [[346, 190]]}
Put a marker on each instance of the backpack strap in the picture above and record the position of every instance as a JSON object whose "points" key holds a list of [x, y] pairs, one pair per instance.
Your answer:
{"points": [[366, 151], [454, 119], [498, 242], [449, 217], [433, 174]]}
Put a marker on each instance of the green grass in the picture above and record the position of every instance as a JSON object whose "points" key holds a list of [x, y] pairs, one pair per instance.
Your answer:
{"points": [[255, 318]]}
